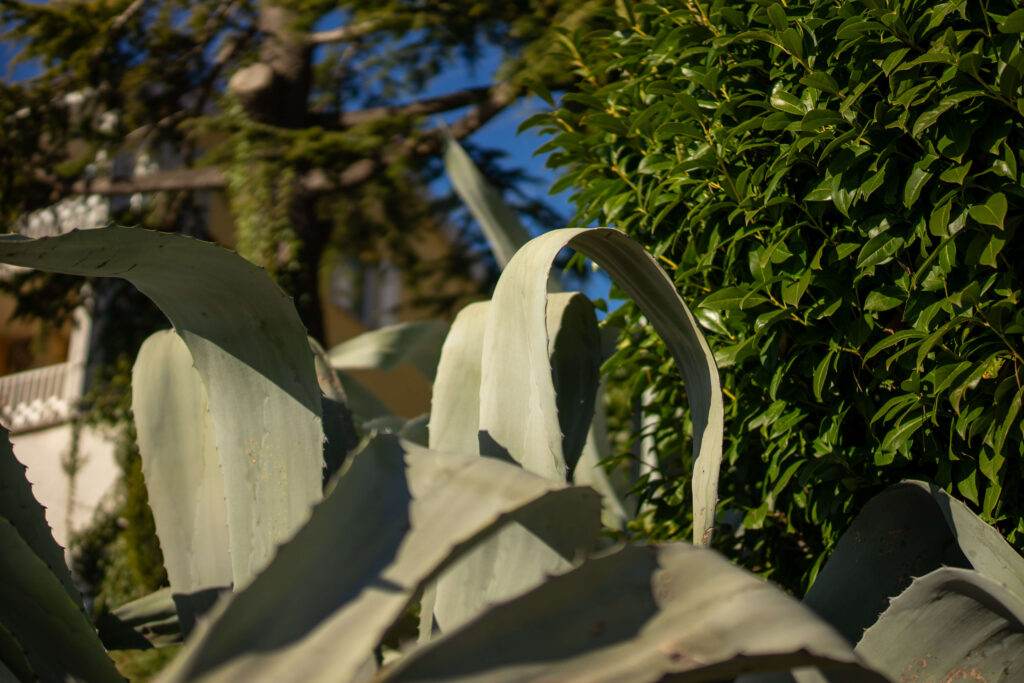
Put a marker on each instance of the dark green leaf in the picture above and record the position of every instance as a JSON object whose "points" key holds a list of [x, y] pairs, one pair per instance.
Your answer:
{"points": [[732, 298], [919, 176], [956, 174], [884, 299], [821, 80], [932, 115], [878, 250], [793, 42], [992, 212], [778, 17], [821, 373], [1014, 23], [788, 103]]}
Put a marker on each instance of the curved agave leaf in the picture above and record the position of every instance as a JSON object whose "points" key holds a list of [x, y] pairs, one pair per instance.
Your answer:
{"points": [[250, 349], [455, 403], [614, 487], [58, 640], [518, 557], [951, 625], [589, 471], [637, 614], [907, 530], [37, 593], [149, 621], [14, 664], [20, 508], [500, 224], [418, 343], [985, 548], [409, 512], [339, 430], [574, 348], [506, 234], [178, 443], [518, 406]]}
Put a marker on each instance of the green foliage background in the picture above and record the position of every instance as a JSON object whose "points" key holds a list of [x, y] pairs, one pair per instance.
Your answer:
{"points": [[835, 187]]}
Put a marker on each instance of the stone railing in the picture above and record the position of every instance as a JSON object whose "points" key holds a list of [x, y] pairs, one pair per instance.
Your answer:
{"points": [[41, 397]]}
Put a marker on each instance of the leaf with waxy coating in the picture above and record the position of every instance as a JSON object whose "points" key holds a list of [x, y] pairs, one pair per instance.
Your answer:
{"points": [[637, 614], [149, 621], [500, 225], [58, 640], [517, 410], [180, 462], [418, 343], [22, 510], [340, 437], [408, 512], [455, 403], [952, 624], [515, 559], [574, 348], [250, 349], [506, 235], [907, 530]]}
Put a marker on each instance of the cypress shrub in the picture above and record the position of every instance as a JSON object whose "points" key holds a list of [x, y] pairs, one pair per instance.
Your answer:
{"points": [[835, 188]]}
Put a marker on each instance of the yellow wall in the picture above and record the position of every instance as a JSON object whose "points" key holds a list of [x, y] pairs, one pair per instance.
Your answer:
{"points": [[28, 345]]}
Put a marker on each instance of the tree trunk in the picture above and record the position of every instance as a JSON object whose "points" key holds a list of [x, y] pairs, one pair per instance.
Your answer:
{"points": [[275, 91]]}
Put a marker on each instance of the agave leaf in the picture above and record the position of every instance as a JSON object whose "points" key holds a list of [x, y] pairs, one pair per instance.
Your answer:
{"points": [[589, 471], [409, 511], [518, 557], [518, 410], [637, 614], [149, 621], [500, 224], [574, 348], [455, 403], [418, 343], [14, 664], [340, 436], [506, 234], [907, 530], [20, 508], [57, 638], [985, 548], [250, 349], [455, 413], [178, 442], [952, 624]]}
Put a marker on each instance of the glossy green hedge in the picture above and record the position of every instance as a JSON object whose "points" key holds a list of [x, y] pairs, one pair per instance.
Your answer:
{"points": [[845, 178]]}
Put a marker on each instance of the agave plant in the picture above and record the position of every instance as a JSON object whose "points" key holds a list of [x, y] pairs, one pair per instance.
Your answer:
{"points": [[275, 575]]}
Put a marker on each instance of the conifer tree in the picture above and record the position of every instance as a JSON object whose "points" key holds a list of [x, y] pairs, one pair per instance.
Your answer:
{"points": [[317, 135]]}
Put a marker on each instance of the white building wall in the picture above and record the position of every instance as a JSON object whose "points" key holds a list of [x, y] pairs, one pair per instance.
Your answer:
{"points": [[69, 507]]}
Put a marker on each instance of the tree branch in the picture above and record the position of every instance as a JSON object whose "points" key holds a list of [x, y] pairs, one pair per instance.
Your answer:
{"points": [[206, 178], [127, 15], [431, 142], [430, 105], [345, 33]]}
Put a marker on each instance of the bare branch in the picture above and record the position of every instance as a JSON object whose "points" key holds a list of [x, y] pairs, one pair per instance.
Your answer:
{"points": [[500, 97], [430, 105], [126, 16], [345, 33], [206, 178], [316, 181]]}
